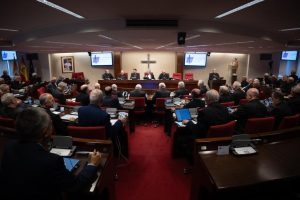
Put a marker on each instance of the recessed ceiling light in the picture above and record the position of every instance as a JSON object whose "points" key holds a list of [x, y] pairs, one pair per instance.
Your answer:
{"points": [[8, 29], [55, 6], [92, 30], [290, 29], [137, 47], [239, 8], [209, 30], [67, 43]]}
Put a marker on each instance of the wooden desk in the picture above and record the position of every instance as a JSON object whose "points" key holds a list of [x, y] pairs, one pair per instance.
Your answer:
{"points": [[273, 172], [147, 84]]}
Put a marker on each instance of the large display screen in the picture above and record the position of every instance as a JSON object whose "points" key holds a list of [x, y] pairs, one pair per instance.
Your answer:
{"points": [[289, 55], [102, 58], [195, 59], [9, 55]]}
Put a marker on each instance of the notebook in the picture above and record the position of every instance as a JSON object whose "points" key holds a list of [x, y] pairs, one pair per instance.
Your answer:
{"points": [[71, 163], [183, 114]]}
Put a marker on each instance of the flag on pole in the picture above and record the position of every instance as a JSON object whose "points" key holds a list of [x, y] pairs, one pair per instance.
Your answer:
{"points": [[31, 68], [15, 67], [23, 71]]}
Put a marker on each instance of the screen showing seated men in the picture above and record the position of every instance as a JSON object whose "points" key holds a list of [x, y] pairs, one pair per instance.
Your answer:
{"points": [[9, 55], [195, 59], [102, 58], [289, 55]]}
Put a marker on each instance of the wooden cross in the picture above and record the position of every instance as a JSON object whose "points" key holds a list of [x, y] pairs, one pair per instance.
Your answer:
{"points": [[148, 61]]}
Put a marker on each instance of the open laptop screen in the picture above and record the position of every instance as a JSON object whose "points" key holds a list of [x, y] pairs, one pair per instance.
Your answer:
{"points": [[183, 114]]}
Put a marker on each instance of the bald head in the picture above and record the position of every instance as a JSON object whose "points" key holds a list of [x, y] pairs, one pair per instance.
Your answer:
{"points": [[46, 100], [252, 94], [195, 93]]}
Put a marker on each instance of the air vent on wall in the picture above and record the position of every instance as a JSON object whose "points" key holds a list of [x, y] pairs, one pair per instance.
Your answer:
{"points": [[151, 23], [293, 43]]}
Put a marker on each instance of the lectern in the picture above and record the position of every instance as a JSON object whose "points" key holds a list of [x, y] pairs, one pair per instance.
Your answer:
{"points": [[215, 84]]}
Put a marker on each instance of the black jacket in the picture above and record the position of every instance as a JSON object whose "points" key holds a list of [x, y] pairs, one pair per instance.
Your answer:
{"points": [[135, 76], [213, 114], [294, 103], [111, 102], [252, 109], [162, 93], [137, 93], [280, 111], [181, 92], [31, 172], [83, 98], [58, 125], [238, 95], [107, 76], [195, 103]]}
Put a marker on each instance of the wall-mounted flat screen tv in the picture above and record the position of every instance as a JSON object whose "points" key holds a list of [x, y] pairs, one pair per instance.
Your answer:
{"points": [[197, 59], [9, 55], [102, 58], [289, 55]]}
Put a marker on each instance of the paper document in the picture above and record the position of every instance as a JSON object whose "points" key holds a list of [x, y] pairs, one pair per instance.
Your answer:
{"points": [[95, 183], [61, 152], [244, 150], [113, 121], [69, 117], [74, 113], [56, 112]]}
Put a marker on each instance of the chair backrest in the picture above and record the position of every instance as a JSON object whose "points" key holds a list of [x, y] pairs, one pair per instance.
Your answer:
{"points": [[89, 132], [227, 104], [243, 101], [289, 122], [160, 103], [73, 103], [78, 75], [189, 76], [257, 125], [222, 130], [139, 102], [7, 122], [41, 90], [177, 76]]}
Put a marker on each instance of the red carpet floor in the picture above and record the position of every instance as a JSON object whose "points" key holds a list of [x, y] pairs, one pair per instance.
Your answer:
{"points": [[152, 173]]}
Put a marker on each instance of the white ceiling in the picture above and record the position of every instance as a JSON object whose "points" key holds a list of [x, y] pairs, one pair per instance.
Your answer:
{"points": [[252, 30]]}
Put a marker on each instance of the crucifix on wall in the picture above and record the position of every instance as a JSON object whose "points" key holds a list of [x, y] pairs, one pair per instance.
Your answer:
{"points": [[148, 61]]}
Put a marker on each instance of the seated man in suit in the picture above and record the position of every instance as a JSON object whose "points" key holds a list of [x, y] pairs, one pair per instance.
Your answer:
{"points": [[181, 90], [47, 102], [93, 115], [294, 100], [149, 75], [35, 79], [202, 87], [17, 84], [107, 75], [30, 171], [238, 93], [213, 114], [163, 76], [162, 92], [280, 108], [213, 75], [225, 95], [58, 93], [6, 77], [10, 106], [110, 101], [253, 109], [122, 76], [83, 95], [115, 91], [138, 92], [196, 101], [134, 75]]}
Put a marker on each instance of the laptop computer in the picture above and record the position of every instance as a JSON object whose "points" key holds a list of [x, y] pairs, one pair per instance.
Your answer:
{"points": [[183, 114], [71, 163]]}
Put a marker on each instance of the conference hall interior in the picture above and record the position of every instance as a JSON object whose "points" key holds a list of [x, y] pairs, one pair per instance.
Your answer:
{"points": [[130, 100]]}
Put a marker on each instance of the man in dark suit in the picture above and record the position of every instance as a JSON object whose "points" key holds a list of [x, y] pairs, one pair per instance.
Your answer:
{"points": [[280, 107], [294, 100], [138, 92], [225, 95], [29, 171], [58, 93], [10, 106], [93, 115], [134, 75], [83, 96], [202, 87], [196, 101], [122, 76], [164, 76], [107, 75], [214, 75], [149, 75], [162, 92], [110, 101], [181, 90], [115, 92], [253, 109], [47, 101], [6, 77], [238, 93]]}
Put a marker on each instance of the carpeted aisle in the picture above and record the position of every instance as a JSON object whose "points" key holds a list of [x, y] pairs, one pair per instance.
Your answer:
{"points": [[152, 173]]}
